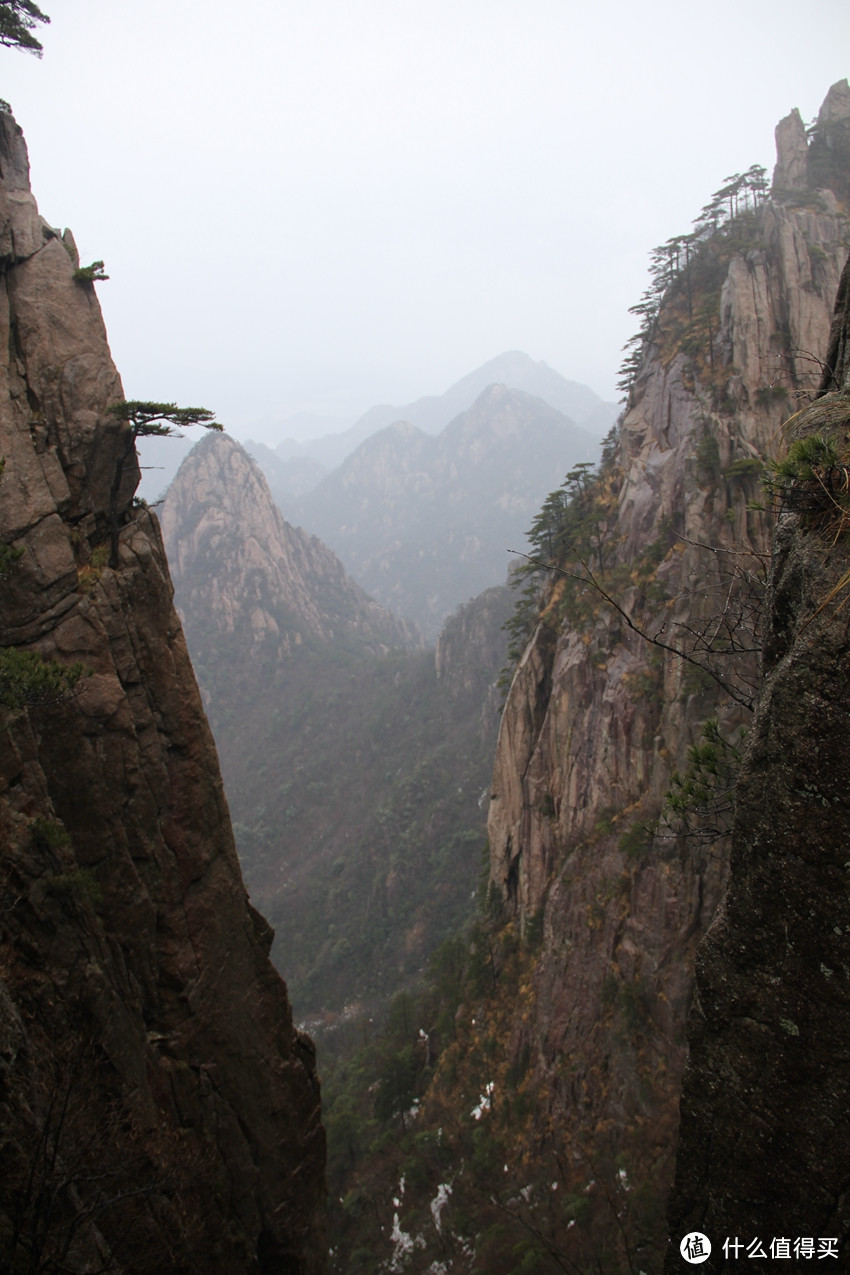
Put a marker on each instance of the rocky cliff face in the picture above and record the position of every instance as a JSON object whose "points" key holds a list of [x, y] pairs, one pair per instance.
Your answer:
{"points": [[157, 1108], [767, 1089], [250, 586], [598, 718], [471, 651]]}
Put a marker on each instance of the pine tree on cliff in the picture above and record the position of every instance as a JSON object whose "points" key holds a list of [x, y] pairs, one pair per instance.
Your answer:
{"points": [[147, 420], [18, 20]]}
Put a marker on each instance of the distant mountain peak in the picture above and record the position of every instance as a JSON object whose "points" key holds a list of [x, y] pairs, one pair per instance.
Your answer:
{"points": [[512, 369], [273, 587], [425, 521]]}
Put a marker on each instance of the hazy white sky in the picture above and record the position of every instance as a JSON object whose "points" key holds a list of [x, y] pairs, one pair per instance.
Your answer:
{"points": [[330, 203]]}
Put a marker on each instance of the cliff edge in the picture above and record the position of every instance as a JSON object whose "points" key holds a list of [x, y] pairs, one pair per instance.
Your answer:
{"points": [[158, 1110], [765, 1110], [600, 724]]}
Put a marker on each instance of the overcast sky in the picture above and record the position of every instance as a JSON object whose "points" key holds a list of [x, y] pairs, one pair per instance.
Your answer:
{"points": [[332, 203]]}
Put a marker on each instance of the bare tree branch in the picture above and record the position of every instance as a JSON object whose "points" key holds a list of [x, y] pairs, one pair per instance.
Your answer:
{"points": [[746, 701]]}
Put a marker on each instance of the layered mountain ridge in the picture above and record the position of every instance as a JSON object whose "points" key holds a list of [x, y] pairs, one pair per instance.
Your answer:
{"points": [[434, 412], [296, 465], [426, 522]]}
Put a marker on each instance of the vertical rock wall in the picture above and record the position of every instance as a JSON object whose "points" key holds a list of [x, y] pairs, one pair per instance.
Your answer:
{"points": [[597, 719], [158, 1110], [766, 1095]]}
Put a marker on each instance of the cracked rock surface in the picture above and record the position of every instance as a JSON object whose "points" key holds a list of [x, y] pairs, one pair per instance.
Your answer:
{"points": [[144, 1035]]}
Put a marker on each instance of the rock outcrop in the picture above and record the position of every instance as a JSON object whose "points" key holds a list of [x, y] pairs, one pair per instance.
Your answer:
{"points": [[598, 719], [792, 154], [158, 1110], [250, 586], [766, 1096]]}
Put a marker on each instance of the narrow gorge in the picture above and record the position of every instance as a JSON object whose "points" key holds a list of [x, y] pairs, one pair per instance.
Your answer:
{"points": [[660, 916]]}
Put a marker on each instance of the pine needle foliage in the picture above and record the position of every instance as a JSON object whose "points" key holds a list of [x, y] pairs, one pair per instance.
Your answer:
{"points": [[18, 22], [686, 271], [700, 800], [814, 478], [91, 274], [811, 459], [28, 680], [147, 420], [160, 419], [571, 529]]}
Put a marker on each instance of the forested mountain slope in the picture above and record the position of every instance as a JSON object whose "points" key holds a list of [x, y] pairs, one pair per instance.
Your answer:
{"points": [[252, 588]]}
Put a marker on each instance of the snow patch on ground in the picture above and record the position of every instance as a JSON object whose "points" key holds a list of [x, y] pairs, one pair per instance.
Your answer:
{"points": [[403, 1244], [438, 1203], [485, 1102]]}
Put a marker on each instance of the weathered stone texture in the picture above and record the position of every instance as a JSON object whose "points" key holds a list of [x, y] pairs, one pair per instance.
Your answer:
{"points": [[572, 725], [134, 975], [596, 722], [792, 154], [836, 104], [241, 571], [766, 1096]]}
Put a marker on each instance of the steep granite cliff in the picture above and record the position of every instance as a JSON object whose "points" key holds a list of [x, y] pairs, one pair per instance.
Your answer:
{"points": [[158, 1111], [766, 1097], [529, 1097], [599, 718]]}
